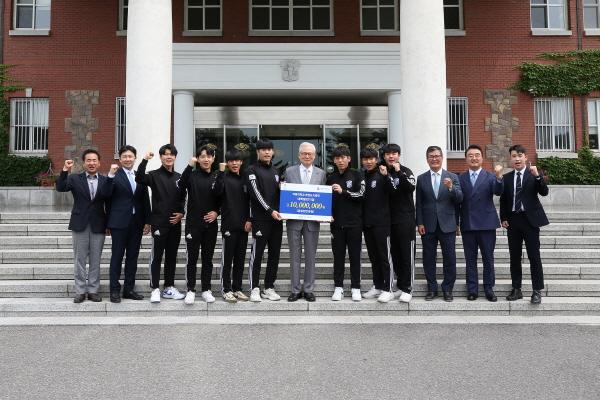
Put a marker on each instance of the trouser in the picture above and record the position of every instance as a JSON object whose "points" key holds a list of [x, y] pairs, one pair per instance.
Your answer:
{"points": [[519, 230], [204, 239], [402, 239], [485, 241], [233, 252], [377, 239], [87, 246], [164, 240], [125, 242], [265, 233], [342, 238], [295, 243], [447, 243]]}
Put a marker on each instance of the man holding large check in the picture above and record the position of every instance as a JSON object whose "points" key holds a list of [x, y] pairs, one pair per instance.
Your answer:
{"points": [[305, 201]]}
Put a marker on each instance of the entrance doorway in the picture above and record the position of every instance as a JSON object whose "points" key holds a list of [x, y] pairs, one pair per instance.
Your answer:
{"points": [[287, 140]]}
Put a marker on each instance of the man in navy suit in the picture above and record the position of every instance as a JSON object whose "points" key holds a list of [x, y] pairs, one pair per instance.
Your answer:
{"points": [[522, 215], [438, 195], [479, 220], [128, 219], [87, 223]]}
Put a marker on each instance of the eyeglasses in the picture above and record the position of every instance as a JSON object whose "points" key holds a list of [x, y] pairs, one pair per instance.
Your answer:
{"points": [[435, 156]]}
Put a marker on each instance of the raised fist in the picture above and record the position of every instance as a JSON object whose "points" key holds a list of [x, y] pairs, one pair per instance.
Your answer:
{"points": [[222, 166], [396, 166], [113, 169], [336, 188], [498, 169], [383, 170], [68, 165], [149, 155], [193, 161], [448, 183], [534, 171]]}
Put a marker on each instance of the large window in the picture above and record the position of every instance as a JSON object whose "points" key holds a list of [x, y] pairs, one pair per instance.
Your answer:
{"points": [[457, 123], [553, 124], [32, 14], [291, 15], [591, 14], [379, 15], [549, 14], [453, 14], [594, 123], [120, 123], [28, 126], [203, 16], [123, 14]]}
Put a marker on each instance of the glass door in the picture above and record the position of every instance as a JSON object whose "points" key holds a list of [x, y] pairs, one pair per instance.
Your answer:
{"points": [[287, 139]]}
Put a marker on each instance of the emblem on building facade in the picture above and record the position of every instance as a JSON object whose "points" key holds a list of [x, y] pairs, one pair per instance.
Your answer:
{"points": [[290, 70]]}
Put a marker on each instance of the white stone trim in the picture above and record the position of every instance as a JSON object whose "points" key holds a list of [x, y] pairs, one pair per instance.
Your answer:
{"points": [[455, 155], [202, 33], [380, 33], [550, 32], [592, 32], [291, 33], [29, 32], [121, 33], [455, 32], [559, 154]]}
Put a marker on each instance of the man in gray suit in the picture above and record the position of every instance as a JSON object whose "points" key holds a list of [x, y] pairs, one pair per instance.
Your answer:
{"points": [[438, 195], [307, 231]]}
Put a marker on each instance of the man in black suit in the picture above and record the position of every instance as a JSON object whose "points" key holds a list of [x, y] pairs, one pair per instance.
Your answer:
{"points": [[87, 223], [128, 219], [522, 215]]}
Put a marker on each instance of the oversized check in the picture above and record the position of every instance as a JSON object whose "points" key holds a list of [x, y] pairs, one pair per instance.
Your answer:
{"points": [[305, 202]]}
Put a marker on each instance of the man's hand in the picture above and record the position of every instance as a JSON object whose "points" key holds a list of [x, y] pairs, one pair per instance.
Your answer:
{"points": [[534, 171], [336, 188], [147, 229], [222, 166], [276, 216], [210, 216], [396, 166], [193, 161], [68, 165], [505, 224], [448, 183], [149, 155], [175, 218], [113, 169], [383, 170], [498, 170], [248, 226], [421, 229]]}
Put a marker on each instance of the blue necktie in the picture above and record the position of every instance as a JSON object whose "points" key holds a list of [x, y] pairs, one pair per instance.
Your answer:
{"points": [[473, 178]]}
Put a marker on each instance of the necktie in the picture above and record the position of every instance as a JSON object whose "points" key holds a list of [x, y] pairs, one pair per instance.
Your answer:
{"points": [[473, 178], [131, 177], [305, 179], [92, 184], [436, 184], [518, 189]]}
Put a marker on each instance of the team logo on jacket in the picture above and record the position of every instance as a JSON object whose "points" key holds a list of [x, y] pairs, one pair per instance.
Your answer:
{"points": [[396, 181], [227, 233], [157, 233], [189, 236], [349, 184], [374, 184], [276, 178], [258, 233]]}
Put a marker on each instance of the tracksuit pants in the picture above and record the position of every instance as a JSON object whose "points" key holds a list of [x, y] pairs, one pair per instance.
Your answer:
{"points": [[342, 238], [233, 252], [200, 240], [164, 240], [402, 239], [377, 239], [265, 233]]}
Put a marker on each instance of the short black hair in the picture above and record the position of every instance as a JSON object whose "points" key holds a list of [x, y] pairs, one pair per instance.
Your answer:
{"points": [[264, 144], [519, 148], [127, 147], [208, 148], [90, 151], [166, 147], [431, 149], [369, 153], [474, 146], [391, 148], [233, 154], [341, 151]]}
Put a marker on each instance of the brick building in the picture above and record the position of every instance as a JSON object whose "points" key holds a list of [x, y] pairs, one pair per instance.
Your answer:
{"points": [[416, 72]]}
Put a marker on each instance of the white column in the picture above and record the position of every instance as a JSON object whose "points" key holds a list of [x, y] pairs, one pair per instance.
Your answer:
{"points": [[183, 127], [423, 75], [395, 119], [149, 76]]}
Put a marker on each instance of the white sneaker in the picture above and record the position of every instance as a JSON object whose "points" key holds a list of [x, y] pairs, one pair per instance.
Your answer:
{"points": [[208, 297], [372, 293], [397, 293], [271, 294], [338, 294], [190, 297], [405, 297], [171, 292], [240, 296], [155, 296], [356, 296], [255, 295], [384, 297], [229, 297]]}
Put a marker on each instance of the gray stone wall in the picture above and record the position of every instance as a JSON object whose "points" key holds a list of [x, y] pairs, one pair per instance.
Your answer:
{"points": [[82, 125], [501, 124]]}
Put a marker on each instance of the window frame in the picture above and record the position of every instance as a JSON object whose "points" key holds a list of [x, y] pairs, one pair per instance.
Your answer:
{"points": [[595, 30], [547, 30], [32, 31], [204, 31], [460, 31], [552, 126], [120, 124], [121, 28], [379, 31], [462, 124], [596, 102], [30, 124], [291, 31]]}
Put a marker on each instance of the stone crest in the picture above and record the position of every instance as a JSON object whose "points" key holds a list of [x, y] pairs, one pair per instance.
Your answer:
{"points": [[290, 70]]}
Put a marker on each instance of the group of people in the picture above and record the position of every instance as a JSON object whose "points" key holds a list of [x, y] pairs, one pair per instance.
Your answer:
{"points": [[377, 202]]}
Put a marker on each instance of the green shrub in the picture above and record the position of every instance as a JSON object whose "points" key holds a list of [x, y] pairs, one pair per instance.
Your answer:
{"points": [[21, 171], [583, 170]]}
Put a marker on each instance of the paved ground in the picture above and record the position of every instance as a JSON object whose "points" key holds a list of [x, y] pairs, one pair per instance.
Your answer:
{"points": [[309, 361]]}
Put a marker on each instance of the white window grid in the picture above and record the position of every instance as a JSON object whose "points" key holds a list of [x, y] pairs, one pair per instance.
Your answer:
{"points": [[553, 119], [120, 123], [379, 7], [591, 12], [36, 6], [123, 13], [594, 123], [28, 125], [548, 6], [459, 5], [291, 7], [457, 123], [205, 5]]}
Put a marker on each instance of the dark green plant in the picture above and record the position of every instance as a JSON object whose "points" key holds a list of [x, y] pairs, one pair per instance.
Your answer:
{"points": [[583, 170]]}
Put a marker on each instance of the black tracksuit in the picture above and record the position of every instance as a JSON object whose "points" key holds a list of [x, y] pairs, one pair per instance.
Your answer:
{"points": [[402, 235], [376, 226], [203, 198], [235, 212], [166, 200], [346, 228], [262, 181]]}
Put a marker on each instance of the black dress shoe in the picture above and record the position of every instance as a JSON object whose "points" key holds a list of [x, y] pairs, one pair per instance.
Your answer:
{"points": [[448, 296], [294, 297], [115, 297], [536, 297], [515, 294], [309, 297], [132, 295], [431, 295], [491, 296], [95, 297], [472, 296], [79, 298]]}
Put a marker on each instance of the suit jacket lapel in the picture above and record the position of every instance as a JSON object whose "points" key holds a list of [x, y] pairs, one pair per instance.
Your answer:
{"points": [[85, 186]]}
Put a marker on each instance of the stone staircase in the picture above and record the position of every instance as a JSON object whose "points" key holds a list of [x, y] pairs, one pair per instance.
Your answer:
{"points": [[36, 276]]}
